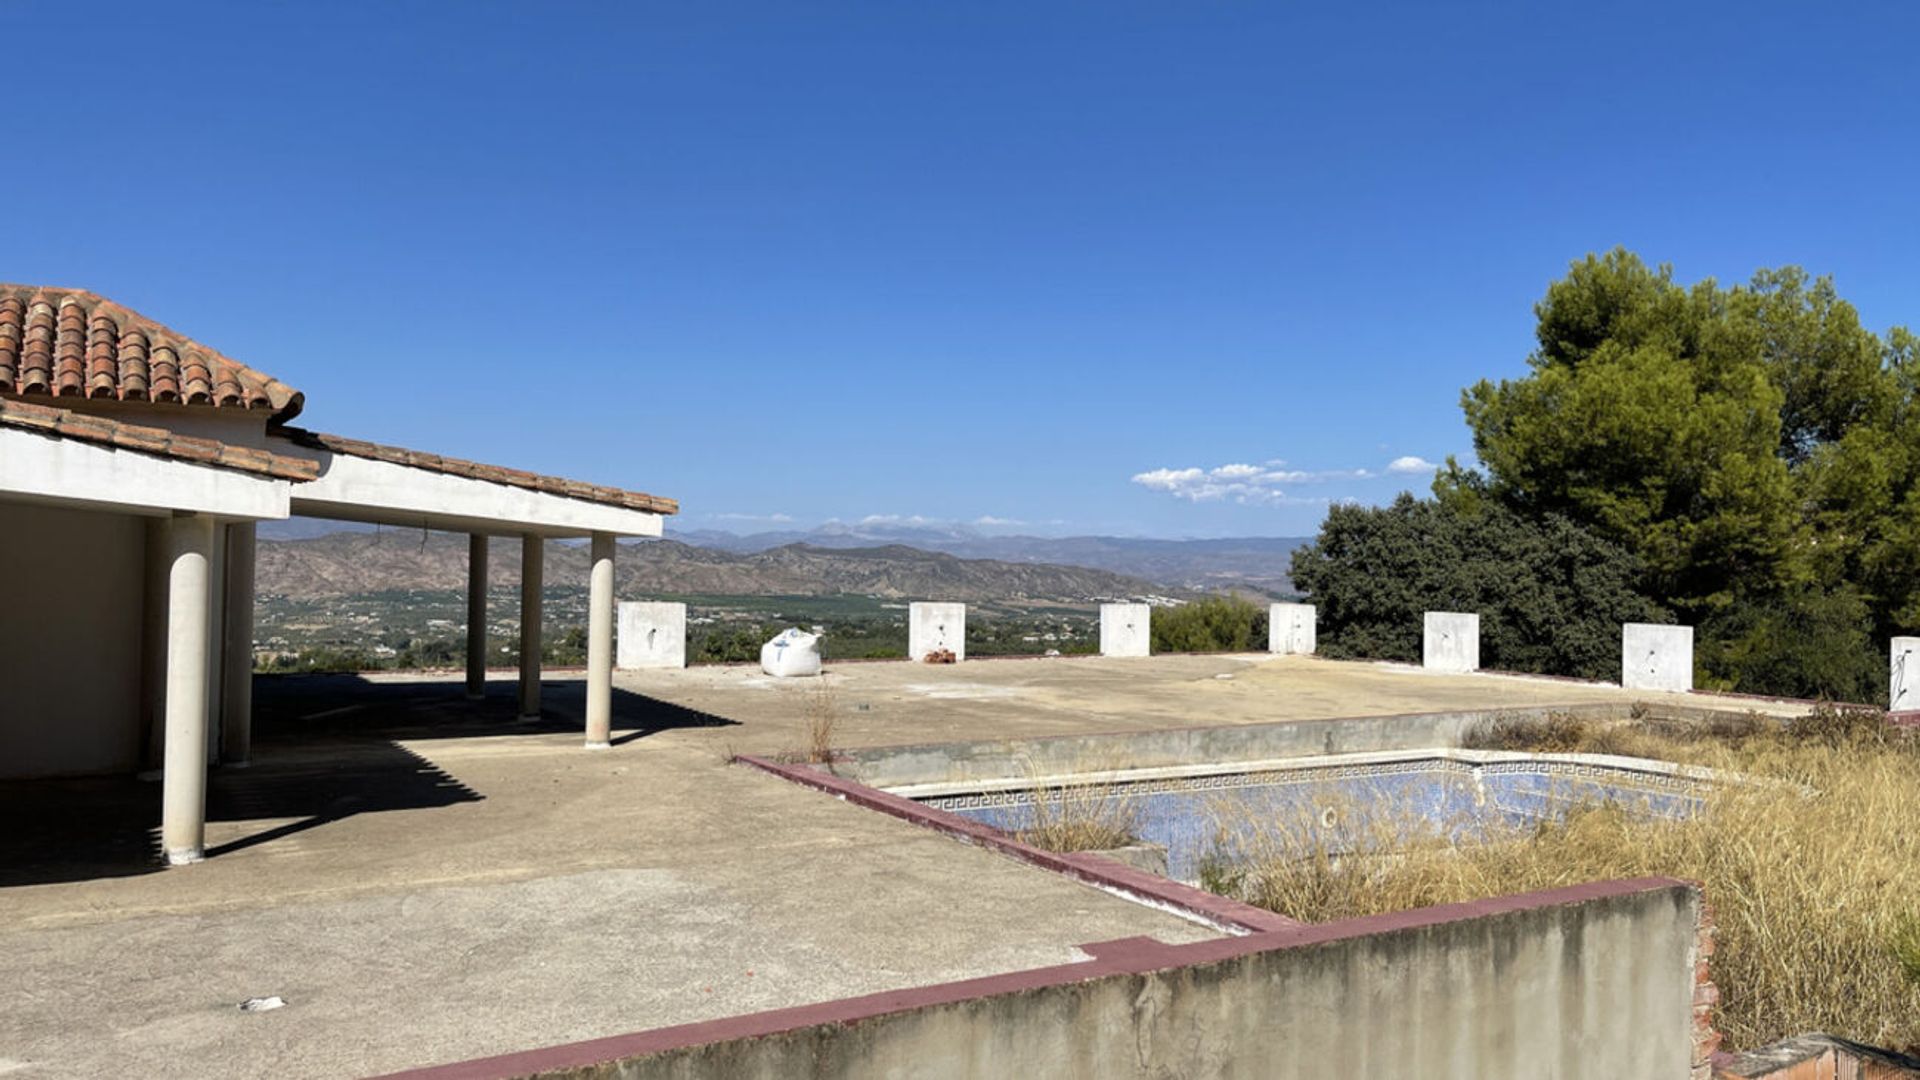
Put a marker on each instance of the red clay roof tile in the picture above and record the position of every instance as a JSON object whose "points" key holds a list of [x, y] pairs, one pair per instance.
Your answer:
{"points": [[71, 343]]}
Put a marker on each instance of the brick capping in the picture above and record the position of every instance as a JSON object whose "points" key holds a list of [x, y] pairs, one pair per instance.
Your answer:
{"points": [[62, 343], [452, 466], [1125, 956], [160, 442], [1098, 871]]}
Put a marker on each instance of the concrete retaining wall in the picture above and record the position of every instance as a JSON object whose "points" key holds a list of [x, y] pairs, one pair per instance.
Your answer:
{"points": [[892, 766], [1596, 981]]}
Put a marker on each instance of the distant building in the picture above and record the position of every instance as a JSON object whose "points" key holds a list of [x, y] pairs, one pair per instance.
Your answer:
{"points": [[134, 465]]}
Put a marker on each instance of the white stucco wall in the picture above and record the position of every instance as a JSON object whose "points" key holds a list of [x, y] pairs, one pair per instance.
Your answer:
{"points": [[1451, 641], [1291, 629], [652, 634], [931, 627], [1656, 657], [70, 625], [1126, 629]]}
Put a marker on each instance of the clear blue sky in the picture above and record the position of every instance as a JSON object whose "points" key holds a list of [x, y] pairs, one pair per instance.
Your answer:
{"points": [[955, 260]]}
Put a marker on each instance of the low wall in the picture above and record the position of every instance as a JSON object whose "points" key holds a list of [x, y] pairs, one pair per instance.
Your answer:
{"points": [[1595, 981]]}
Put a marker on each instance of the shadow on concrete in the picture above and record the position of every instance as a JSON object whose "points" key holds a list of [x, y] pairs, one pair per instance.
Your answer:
{"points": [[430, 708], [326, 747], [95, 827]]}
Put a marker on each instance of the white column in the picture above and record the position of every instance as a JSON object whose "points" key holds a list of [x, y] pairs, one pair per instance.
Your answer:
{"points": [[649, 634], [600, 643], [532, 575], [1903, 688], [1656, 657], [153, 647], [236, 701], [1451, 641], [476, 617], [1126, 630], [1290, 629], [933, 628], [183, 800]]}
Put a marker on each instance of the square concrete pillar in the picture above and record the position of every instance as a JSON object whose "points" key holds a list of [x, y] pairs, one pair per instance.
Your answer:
{"points": [[1452, 641], [652, 635], [1656, 657], [1290, 629], [1126, 630], [1903, 690], [933, 627]]}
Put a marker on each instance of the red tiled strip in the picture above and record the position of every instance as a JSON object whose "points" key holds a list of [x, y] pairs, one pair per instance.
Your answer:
{"points": [[1095, 870], [1126, 956], [67, 424], [550, 485]]}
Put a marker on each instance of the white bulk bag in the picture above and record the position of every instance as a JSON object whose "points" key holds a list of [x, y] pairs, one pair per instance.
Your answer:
{"points": [[790, 653]]}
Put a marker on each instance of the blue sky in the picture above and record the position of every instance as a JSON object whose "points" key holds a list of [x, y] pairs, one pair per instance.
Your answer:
{"points": [[1159, 269]]}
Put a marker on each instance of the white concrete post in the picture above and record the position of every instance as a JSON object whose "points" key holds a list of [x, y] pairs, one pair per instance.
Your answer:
{"points": [[153, 646], [476, 617], [1451, 641], [1903, 690], [1290, 629], [600, 643], [932, 627], [236, 702], [532, 576], [1656, 657], [183, 798], [653, 634], [1126, 630]]}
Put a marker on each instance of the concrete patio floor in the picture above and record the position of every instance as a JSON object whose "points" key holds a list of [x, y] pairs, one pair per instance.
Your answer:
{"points": [[425, 879]]}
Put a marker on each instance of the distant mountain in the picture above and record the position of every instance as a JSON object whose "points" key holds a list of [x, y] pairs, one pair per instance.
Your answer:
{"points": [[1256, 563], [357, 562]]}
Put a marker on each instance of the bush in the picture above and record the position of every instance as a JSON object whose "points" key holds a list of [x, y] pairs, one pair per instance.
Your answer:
{"points": [[1550, 595], [1215, 624], [1810, 645]]}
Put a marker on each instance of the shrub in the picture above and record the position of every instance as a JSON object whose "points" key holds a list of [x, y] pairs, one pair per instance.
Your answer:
{"points": [[1215, 624]]}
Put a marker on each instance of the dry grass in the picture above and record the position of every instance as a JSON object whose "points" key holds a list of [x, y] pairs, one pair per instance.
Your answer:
{"points": [[1817, 900], [1080, 817], [822, 714]]}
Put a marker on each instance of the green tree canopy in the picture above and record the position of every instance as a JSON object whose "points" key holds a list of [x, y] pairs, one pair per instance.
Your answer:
{"points": [[1740, 441]]}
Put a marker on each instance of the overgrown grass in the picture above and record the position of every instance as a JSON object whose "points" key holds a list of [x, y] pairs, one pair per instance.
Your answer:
{"points": [[1081, 817], [1816, 899], [822, 715]]}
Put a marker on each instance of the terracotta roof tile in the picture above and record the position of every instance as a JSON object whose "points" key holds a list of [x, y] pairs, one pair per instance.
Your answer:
{"points": [[83, 427], [71, 343], [553, 485]]}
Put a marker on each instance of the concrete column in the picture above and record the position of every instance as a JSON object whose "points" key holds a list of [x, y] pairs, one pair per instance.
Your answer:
{"points": [[1656, 657], [933, 628], [236, 701], [1126, 629], [183, 800], [153, 649], [650, 634], [532, 576], [476, 617], [600, 643], [1903, 689], [1290, 629], [1451, 641]]}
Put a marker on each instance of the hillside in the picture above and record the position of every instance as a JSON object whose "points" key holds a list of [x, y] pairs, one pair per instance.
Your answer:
{"points": [[347, 563]]}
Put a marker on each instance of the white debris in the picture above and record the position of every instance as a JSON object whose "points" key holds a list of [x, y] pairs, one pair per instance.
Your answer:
{"points": [[262, 1004]]}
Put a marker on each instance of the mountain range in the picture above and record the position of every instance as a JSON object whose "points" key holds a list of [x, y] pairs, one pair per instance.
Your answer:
{"points": [[343, 563]]}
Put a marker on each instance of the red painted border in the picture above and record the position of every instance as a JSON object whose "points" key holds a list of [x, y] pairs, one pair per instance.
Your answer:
{"points": [[1126, 956], [1093, 869]]}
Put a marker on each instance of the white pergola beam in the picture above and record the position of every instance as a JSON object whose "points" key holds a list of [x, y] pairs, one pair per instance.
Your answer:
{"points": [[68, 472], [361, 489]]}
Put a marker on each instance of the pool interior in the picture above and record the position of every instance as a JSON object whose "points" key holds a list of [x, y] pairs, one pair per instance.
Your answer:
{"points": [[1343, 804]]}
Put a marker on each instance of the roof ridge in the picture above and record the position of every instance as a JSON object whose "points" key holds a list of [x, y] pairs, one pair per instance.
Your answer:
{"points": [[106, 349]]}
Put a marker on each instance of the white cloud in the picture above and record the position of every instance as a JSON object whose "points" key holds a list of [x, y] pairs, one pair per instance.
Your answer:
{"points": [[776, 518], [1248, 484], [989, 521], [1411, 464]]}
